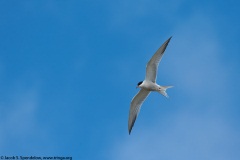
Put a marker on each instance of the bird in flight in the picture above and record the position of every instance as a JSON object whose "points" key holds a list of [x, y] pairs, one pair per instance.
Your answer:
{"points": [[148, 85]]}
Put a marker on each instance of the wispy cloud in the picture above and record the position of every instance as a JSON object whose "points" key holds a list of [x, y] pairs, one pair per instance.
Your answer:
{"points": [[187, 136], [18, 122]]}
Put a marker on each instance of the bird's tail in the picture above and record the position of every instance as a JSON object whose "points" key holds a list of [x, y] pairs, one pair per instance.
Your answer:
{"points": [[164, 89]]}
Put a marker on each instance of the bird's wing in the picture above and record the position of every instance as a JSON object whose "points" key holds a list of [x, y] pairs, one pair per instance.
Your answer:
{"points": [[135, 107], [152, 65]]}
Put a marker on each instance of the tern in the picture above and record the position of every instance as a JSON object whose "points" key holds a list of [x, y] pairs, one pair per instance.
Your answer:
{"points": [[148, 85]]}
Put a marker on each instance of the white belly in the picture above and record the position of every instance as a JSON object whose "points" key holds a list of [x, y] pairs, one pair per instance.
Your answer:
{"points": [[148, 85]]}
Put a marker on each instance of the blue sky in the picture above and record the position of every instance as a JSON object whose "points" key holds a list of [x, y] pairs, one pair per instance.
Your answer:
{"points": [[68, 71]]}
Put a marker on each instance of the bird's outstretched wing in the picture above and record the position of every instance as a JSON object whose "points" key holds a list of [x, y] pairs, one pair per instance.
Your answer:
{"points": [[152, 65], [135, 107]]}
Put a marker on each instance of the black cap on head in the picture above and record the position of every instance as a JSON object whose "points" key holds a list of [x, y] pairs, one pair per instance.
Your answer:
{"points": [[139, 83]]}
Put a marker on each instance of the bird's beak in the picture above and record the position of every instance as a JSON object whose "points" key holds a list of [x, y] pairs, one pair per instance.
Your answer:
{"points": [[137, 87]]}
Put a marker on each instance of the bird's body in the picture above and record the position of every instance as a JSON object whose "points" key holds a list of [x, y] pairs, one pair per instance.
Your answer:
{"points": [[148, 85], [151, 86]]}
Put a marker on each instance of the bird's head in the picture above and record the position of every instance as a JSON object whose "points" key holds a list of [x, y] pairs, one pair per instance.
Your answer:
{"points": [[139, 83]]}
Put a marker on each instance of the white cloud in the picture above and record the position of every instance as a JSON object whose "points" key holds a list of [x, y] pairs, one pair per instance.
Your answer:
{"points": [[187, 136], [18, 123]]}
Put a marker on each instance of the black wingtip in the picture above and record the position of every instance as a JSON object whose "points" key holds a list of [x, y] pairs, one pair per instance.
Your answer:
{"points": [[130, 127], [129, 131], [169, 38]]}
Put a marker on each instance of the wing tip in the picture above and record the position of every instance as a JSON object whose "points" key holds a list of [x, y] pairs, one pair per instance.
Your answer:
{"points": [[129, 131], [130, 125], [169, 39]]}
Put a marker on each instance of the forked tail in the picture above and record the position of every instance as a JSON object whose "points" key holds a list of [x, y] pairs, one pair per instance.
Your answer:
{"points": [[164, 89]]}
